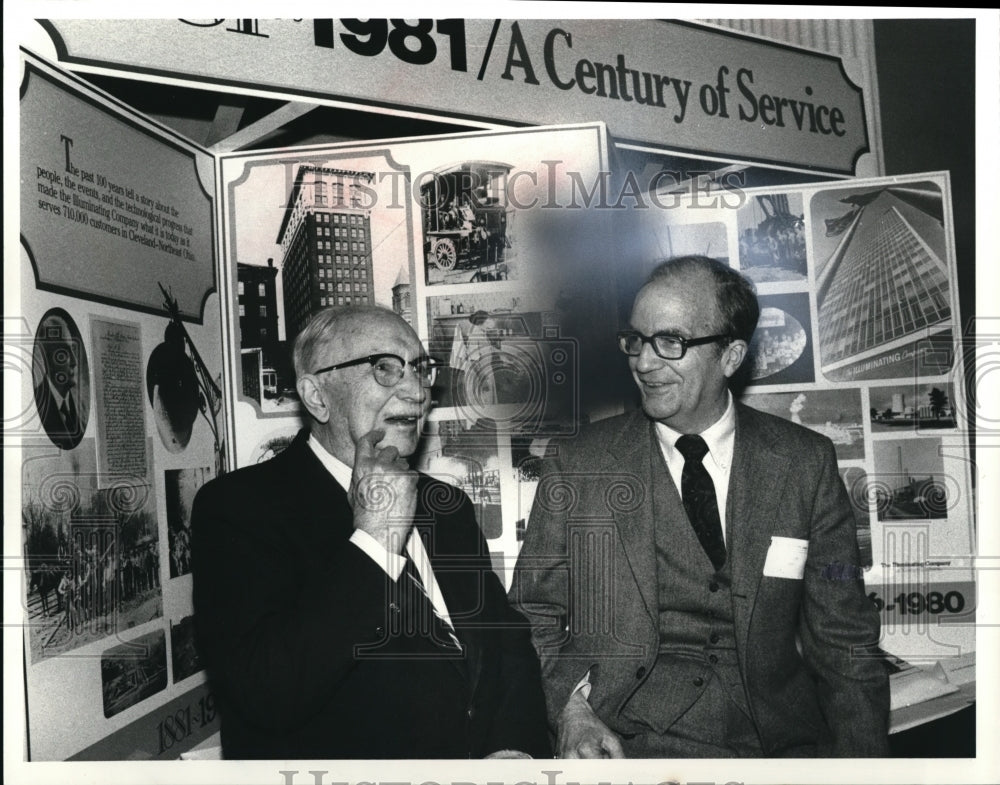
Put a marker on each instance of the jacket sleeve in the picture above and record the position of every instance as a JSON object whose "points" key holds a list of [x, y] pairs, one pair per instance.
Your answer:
{"points": [[275, 652], [839, 626], [541, 586]]}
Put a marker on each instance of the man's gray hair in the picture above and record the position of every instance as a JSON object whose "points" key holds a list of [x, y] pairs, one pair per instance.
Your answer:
{"points": [[736, 295], [323, 326]]}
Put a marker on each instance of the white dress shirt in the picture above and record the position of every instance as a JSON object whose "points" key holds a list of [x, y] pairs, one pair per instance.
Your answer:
{"points": [[720, 437], [392, 563]]}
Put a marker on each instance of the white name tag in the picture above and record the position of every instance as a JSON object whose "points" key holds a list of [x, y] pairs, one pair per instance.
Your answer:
{"points": [[786, 558]]}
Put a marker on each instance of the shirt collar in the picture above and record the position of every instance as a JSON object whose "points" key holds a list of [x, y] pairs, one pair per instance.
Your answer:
{"points": [[56, 395], [341, 472], [719, 436]]}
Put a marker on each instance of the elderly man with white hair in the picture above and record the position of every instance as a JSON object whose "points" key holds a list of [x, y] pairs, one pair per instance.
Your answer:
{"points": [[346, 605]]}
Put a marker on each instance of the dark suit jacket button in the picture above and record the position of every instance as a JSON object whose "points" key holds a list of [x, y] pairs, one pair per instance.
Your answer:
{"points": [[639, 674], [713, 586], [713, 638], [698, 682], [470, 713], [380, 631], [713, 659]]}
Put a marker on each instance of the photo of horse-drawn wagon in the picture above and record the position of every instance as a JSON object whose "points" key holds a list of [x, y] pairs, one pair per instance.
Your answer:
{"points": [[466, 222]]}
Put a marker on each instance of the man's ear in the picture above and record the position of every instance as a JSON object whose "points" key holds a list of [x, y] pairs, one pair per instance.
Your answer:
{"points": [[733, 356], [312, 398]]}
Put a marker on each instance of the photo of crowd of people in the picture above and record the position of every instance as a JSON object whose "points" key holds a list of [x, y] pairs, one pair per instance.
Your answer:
{"points": [[92, 559], [773, 238]]}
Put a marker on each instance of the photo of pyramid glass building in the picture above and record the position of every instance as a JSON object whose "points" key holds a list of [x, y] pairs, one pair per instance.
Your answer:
{"points": [[882, 288]]}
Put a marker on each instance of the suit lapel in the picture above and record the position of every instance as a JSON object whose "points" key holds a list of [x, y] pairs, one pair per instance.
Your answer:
{"points": [[322, 501], [758, 474], [634, 451]]}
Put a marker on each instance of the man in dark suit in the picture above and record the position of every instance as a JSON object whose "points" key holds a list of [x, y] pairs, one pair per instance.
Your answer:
{"points": [[666, 629], [62, 411], [346, 605]]}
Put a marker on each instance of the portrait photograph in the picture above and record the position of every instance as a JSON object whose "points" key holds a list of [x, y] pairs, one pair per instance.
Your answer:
{"points": [[62, 379]]}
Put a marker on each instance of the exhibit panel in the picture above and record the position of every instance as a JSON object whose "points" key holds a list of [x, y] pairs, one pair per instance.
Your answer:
{"points": [[122, 421]]}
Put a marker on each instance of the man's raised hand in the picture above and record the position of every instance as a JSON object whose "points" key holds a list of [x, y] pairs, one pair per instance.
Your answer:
{"points": [[383, 492]]}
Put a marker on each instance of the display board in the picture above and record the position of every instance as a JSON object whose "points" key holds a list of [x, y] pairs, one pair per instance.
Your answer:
{"points": [[860, 340], [120, 361]]}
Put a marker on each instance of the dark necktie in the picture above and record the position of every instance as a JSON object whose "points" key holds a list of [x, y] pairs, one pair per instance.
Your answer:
{"points": [[700, 501], [68, 411], [418, 611]]}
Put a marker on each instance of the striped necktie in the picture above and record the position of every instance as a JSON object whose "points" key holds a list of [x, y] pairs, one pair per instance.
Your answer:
{"points": [[420, 614]]}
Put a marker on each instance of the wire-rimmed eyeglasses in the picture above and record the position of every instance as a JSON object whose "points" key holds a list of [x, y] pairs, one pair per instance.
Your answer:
{"points": [[388, 369], [666, 346]]}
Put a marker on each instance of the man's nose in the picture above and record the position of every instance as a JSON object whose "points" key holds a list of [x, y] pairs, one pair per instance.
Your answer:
{"points": [[410, 387], [648, 360]]}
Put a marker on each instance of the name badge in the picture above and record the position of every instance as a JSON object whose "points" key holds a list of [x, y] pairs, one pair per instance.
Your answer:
{"points": [[786, 558]]}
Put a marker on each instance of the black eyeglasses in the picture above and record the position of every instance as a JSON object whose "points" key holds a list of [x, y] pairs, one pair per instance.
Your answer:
{"points": [[667, 346], [389, 369]]}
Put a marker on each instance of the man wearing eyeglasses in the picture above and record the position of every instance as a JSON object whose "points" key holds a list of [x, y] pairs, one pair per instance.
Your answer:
{"points": [[346, 605], [680, 596]]}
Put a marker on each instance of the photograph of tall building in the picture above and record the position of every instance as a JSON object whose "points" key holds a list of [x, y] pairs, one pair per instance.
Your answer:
{"points": [[326, 243], [882, 286], [260, 349], [258, 306]]}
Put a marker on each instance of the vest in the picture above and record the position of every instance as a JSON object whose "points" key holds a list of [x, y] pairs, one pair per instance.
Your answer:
{"points": [[697, 659]]}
